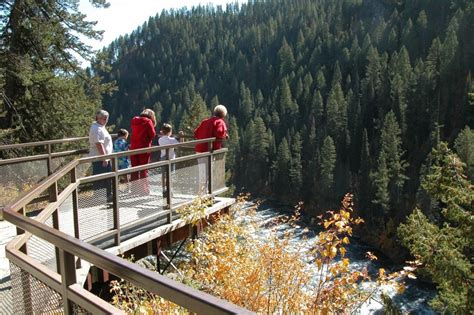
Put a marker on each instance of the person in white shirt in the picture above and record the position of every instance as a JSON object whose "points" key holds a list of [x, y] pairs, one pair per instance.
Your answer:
{"points": [[100, 143], [166, 139]]}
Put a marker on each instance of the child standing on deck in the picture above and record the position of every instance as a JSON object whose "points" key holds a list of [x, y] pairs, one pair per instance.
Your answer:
{"points": [[166, 139], [121, 145]]}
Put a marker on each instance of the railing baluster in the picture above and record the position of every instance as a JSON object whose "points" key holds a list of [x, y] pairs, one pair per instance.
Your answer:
{"points": [[168, 187], [75, 210], [209, 169], [115, 189], [49, 163]]}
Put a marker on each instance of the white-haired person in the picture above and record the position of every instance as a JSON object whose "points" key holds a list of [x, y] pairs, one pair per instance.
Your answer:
{"points": [[214, 127], [100, 143]]}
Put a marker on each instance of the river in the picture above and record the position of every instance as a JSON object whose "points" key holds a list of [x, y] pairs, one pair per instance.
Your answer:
{"points": [[417, 294]]}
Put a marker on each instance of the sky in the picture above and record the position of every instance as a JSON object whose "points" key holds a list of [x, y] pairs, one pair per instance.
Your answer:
{"points": [[123, 16]]}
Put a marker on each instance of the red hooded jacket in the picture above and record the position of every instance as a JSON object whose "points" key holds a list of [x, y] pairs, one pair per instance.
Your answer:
{"points": [[209, 128], [143, 132]]}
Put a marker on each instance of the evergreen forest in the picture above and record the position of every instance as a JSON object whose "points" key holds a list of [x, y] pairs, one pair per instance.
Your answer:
{"points": [[325, 97]]}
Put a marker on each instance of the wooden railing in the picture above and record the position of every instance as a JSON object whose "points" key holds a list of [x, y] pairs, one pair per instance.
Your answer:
{"points": [[30, 276]]}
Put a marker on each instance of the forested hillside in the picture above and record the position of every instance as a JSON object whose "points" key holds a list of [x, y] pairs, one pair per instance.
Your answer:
{"points": [[325, 97]]}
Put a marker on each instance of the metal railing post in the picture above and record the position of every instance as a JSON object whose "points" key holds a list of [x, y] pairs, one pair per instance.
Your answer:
{"points": [[49, 163], [53, 197], [209, 169], [68, 277], [168, 187], [18, 230], [115, 189]]}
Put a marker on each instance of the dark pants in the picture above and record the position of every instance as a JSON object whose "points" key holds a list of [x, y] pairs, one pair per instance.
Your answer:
{"points": [[97, 168]]}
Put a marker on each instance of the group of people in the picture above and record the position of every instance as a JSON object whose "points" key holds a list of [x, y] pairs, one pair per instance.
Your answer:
{"points": [[142, 134]]}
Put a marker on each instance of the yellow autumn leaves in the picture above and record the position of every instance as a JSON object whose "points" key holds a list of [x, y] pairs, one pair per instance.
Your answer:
{"points": [[274, 275]]}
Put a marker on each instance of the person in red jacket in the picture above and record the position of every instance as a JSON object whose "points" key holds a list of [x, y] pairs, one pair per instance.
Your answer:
{"points": [[210, 128], [143, 132], [213, 127]]}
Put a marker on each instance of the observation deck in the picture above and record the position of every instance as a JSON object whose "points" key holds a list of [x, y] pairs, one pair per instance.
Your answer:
{"points": [[71, 225]]}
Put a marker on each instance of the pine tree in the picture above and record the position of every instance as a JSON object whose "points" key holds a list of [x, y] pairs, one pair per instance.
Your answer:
{"points": [[194, 114], [309, 156], [295, 173], [258, 144], [336, 76], [399, 86], [232, 144], [50, 96], [445, 248], [286, 58], [391, 148], [380, 181], [246, 106], [288, 109], [450, 47], [327, 166], [321, 80], [464, 145], [337, 115], [373, 70], [433, 61], [316, 110], [280, 169], [364, 174], [421, 29]]}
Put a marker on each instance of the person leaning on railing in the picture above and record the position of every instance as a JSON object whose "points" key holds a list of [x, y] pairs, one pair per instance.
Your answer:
{"points": [[100, 143], [214, 127]]}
